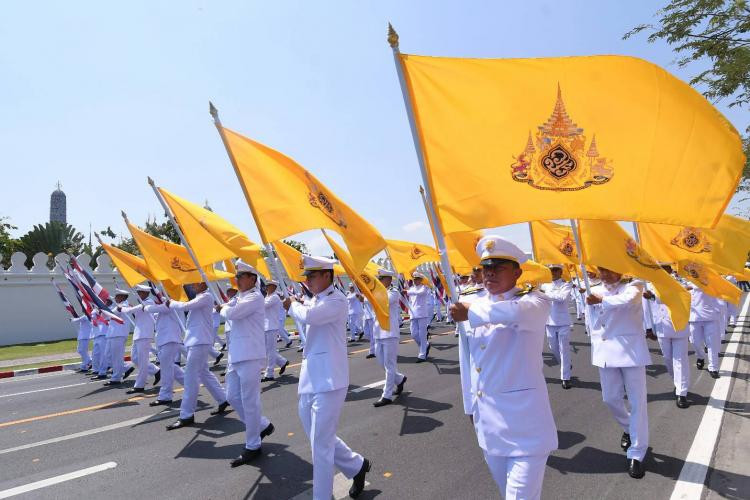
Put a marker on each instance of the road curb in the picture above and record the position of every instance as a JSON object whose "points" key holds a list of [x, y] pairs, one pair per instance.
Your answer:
{"points": [[43, 370]]}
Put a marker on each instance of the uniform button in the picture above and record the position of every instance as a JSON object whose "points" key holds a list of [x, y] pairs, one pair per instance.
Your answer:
{"points": [[479, 394], [479, 369], [483, 347]]}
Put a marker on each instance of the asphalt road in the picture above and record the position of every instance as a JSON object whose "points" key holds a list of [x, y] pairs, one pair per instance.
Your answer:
{"points": [[421, 447]]}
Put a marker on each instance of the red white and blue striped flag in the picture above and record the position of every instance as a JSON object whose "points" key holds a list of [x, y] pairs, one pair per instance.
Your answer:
{"points": [[64, 299]]}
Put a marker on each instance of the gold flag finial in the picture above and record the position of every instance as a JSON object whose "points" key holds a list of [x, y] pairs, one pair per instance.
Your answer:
{"points": [[392, 37]]}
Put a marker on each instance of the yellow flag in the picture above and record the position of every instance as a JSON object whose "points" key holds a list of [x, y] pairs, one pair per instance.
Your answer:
{"points": [[534, 274], [169, 261], [605, 137], [462, 250], [406, 255], [211, 237], [366, 280], [708, 280], [743, 276], [230, 268], [287, 199], [133, 269], [724, 247], [291, 259], [606, 244], [553, 243]]}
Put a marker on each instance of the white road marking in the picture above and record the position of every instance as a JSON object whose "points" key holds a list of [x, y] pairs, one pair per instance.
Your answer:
{"points": [[126, 423], [693, 475], [56, 480], [368, 386], [42, 390], [341, 485]]}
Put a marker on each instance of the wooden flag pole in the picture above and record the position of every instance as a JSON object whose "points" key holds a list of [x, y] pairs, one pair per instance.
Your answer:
{"points": [[577, 239]]}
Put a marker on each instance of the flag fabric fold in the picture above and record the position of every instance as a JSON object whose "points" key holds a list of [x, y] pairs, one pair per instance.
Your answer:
{"points": [[406, 255], [708, 280], [553, 243]]}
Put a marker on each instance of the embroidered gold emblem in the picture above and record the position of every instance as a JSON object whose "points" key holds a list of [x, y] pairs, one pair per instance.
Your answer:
{"points": [[416, 253], [176, 263], [637, 254], [321, 200], [367, 281], [696, 272], [567, 247], [692, 239]]}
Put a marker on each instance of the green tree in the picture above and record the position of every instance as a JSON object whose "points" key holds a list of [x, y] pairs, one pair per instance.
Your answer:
{"points": [[8, 244], [715, 31], [51, 238]]}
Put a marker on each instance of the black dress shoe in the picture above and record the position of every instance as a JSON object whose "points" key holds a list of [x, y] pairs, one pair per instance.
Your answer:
{"points": [[221, 409], [159, 402], [566, 384], [283, 368], [369, 356], [400, 387], [289, 344], [359, 337], [246, 457], [636, 469], [157, 377], [135, 390], [181, 422], [625, 441], [382, 402], [358, 481], [682, 402], [99, 377], [218, 358], [267, 379], [223, 374], [420, 360], [113, 382], [699, 364], [267, 431], [128, 372], [714, 374]]}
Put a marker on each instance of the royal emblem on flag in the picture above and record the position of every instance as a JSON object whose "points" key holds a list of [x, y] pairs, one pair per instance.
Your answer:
{"points": [[638, 255], [416, 253], [369, 283], [322, 201], [567, 247], [176, 263], [695, 271], [557, 158], [692, 240]]}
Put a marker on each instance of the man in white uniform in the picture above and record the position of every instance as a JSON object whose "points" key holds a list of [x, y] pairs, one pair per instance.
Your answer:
{"points": [[272, 304], [117, 337], [368, 326], [247, 353], [386, 342], [618, 344], [324, 379], [355, 313], [705, 329], [84, 337], [421, 314], [559, 324], [169, 344], [98, 358], [504, 390], [143, 336]]}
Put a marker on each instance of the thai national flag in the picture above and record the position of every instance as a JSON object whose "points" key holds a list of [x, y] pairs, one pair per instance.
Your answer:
{"points": [[86, 277], [158, 297], [88, 294], [85, 304], [65, 302], [438, 287]]}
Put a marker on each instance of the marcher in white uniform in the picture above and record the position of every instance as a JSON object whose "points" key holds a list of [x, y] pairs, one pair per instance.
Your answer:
{"points": [[324, 379], [143, 336], [169, 344], [368, 326], [503, 385], [213, 352], [198, 340], [733, 310], [98, 358], [272, 304], [84, 337], [283, 333], [421, 314], [247, 354], [117, 337], [355, 313], [704, 329], [386, 342], [618, 344], [558, 324], [463, 286]]}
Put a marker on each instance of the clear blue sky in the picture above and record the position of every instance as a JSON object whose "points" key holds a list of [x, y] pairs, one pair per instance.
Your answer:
{"points": [[98, 95]]}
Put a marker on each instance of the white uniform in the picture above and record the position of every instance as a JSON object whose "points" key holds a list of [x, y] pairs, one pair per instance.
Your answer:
{"points": [[283, 333], [98, 359], [619, 349], [369, 324], [578, 296], [420, 306], [733, 311], [558, 324], [704, 326], [168, 343], [84, 337], [117, 336], [674, 347], [505, 390], [354, 312], [198, 340], [323, 381], [272, 304], [247, 354], [386, 344], [143, 336]]}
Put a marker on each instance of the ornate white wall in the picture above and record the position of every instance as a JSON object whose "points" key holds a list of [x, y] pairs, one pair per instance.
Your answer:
{"points": [[30, 310]]}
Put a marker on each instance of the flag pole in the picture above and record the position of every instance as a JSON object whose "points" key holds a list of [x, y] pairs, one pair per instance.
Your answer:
{"points": [[637, 234], [533, 247], [268, 245], [65, 301], [577, 238]]}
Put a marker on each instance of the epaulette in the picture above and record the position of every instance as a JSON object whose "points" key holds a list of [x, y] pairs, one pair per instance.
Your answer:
{"points": [[330, 293], [470, 291], [525, 291]]}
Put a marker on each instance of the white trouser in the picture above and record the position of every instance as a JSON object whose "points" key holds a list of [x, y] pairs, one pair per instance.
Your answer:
{"points": [[579, 307], [213, 352], [418, 329], [140, 352], [368, 327], [518, 478], [284, 334], [301, 331], [106, 356], [117, 357], [169, 371], [197, 373], [319, 413], [558, 338], [83, 351], [243, 393], [616, 383], [355, 324], [217, 339], [387, 352], [675, 352], [438, 313], [273, 358], [97, 353], [706, 332]]}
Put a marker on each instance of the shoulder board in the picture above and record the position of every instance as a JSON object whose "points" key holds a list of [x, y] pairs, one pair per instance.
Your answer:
{"points": [[330, 293], [471, 291], [525, 291]]}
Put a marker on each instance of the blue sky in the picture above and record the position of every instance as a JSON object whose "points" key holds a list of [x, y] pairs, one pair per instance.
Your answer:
{"points": [[99, 95]]}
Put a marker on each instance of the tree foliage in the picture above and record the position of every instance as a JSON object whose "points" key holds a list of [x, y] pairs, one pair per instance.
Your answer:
{"points": [[8, 244], [51, 238]]}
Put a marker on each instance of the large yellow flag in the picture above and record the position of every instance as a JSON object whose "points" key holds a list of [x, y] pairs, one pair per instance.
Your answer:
{"points": [[724, 247], [462, 250], [553, 243], [534, 274], [291, 259], [605, 137], [211, 237], [406, 255], [606, 244], [169, 261], [287, 199], [366, 280], [708, 280], [134, 270]]}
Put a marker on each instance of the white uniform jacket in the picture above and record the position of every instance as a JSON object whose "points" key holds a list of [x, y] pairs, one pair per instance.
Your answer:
{"points": [[84, 327], [246, 339], [116, 329], [394, 315], [420, 303], [168, 329], [200, 329], [561, 293], [354, 306], [272, 304], [144, 322], [325, 366], [703, 307]]}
